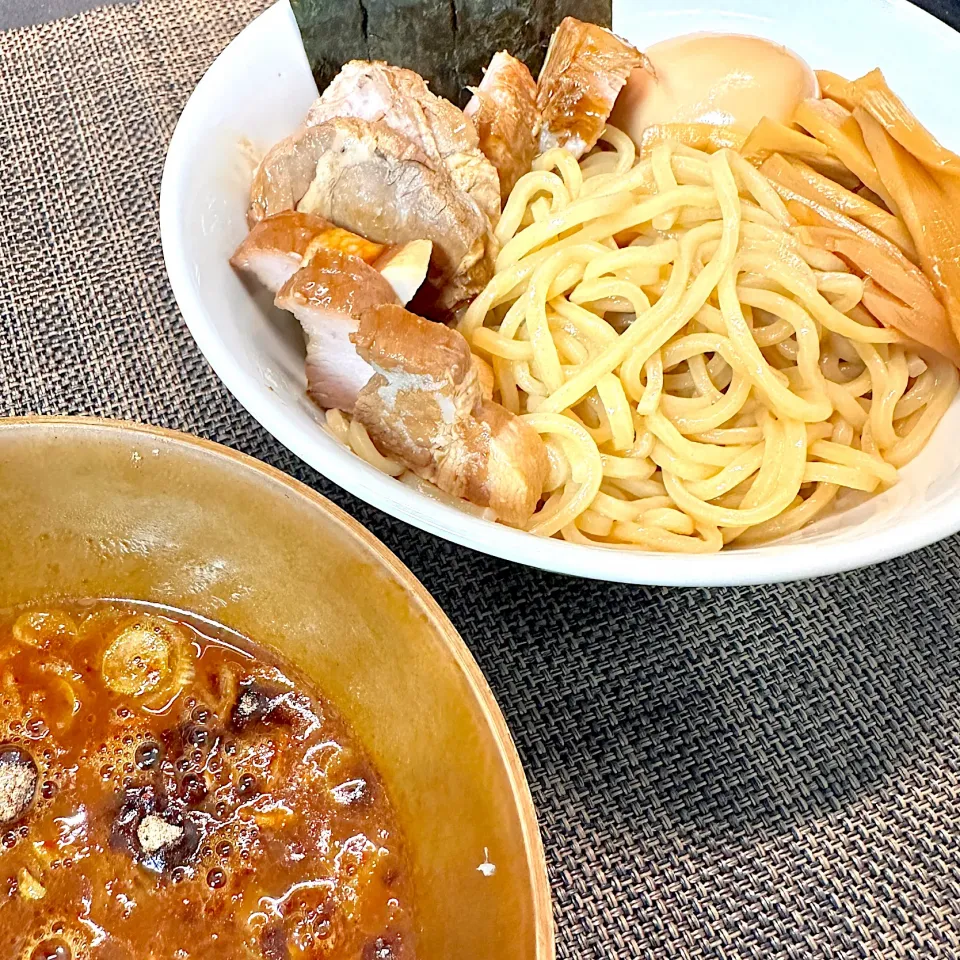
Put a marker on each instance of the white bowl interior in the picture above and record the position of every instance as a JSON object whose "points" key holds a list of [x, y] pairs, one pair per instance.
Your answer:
{"points": [[258, 91]]}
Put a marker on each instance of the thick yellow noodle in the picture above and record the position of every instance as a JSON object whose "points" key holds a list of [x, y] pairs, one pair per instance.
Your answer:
{"points": [[699, 375]]}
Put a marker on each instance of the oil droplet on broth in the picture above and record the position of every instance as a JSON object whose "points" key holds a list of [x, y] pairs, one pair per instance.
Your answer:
{"points": [[52, 950], [148, 756]]}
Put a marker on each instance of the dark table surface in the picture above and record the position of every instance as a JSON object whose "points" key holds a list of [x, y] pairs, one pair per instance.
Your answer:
{"points": [[757, 773], [23, 13]]}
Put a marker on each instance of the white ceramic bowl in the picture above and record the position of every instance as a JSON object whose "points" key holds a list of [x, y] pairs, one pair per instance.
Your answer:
{"points": [[258, 91]]}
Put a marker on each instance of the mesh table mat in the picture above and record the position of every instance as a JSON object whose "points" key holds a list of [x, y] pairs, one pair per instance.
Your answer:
{"points": [[760, 773]]}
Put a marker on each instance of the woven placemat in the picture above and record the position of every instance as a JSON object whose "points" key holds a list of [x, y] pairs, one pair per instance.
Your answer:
{"points": [[755, 773]]}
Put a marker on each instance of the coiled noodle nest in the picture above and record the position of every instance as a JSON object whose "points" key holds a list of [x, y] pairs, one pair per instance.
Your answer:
{"points": [[148, 658]]}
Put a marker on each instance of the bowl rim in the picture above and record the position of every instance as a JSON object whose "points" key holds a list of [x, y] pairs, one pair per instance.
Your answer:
{"points": [[767, 563], [418, 594]]}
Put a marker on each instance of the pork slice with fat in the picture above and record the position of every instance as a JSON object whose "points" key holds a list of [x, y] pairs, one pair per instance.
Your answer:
{"points": [[288, 169], [275, 248], [585, 69], [425, 407], [327, 296], [504, 109], [400, 98], [498, 462], [375, 182], [425, 383]]}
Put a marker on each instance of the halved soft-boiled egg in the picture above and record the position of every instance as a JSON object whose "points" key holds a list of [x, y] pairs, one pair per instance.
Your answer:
{"points": [[715, 78]]}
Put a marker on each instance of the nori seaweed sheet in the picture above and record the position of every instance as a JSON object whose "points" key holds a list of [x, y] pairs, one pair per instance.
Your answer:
{"points": [[448, 42]]}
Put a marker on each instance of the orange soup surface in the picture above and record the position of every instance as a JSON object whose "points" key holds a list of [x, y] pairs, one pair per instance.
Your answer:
{"points": [[168, 791]]}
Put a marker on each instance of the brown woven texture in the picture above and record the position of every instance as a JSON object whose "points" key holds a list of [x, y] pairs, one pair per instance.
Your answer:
{"points": [[756, 773]]}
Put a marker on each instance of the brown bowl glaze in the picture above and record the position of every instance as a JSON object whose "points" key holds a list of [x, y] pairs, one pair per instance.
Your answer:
{"points": [[98, 509]]}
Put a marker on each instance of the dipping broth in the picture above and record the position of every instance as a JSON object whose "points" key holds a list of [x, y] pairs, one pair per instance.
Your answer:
{"points": [[168, 791]]}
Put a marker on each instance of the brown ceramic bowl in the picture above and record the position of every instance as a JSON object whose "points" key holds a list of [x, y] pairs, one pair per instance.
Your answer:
{"points": [[98, 509]]}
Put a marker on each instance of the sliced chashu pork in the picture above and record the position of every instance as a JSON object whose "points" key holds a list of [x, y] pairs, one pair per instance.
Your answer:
{"points": [[504, 110], [289, 167], [279, 245], [327, 296], [360, 184], [425, 407], [413, 384], [369, 179], [400, 98], [585, 69], [275, 248]]}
